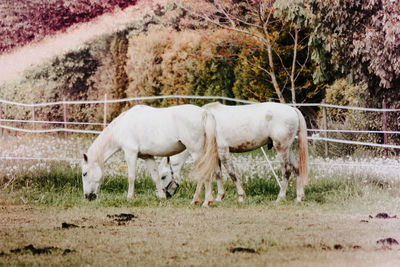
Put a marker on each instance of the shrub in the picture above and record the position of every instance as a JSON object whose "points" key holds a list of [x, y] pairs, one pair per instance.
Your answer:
{"points": [[345, 94]]}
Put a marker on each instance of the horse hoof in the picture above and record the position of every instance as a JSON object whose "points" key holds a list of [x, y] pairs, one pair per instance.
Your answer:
{"points": [[206, 204], [219, 198], [194, 202], [241, 199]]}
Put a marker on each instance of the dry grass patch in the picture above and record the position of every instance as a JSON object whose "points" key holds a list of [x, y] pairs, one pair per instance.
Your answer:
{"points": [[282, 234]]}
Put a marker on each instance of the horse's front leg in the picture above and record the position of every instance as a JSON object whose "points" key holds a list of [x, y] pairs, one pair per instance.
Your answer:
{"points": [[131, 158], [152, 167]]}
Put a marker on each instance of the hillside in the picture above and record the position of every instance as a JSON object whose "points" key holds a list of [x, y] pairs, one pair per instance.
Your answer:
{"points": [[72, 36], [25, 21]]}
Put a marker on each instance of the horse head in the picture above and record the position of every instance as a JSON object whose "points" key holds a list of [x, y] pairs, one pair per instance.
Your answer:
{"points": [[92, 176], [168, 183]]}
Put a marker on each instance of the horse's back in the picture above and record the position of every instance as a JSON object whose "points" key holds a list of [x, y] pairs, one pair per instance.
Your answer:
{"points": [[247, 127], [158, 131]]}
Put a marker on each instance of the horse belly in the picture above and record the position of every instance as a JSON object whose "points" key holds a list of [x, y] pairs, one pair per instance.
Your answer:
{"points": [[160, 149], [247, 145]]}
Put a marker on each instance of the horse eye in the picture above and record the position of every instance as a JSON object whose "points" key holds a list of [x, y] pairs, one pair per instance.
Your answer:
{"points": [[84, 174], [163, 177]]}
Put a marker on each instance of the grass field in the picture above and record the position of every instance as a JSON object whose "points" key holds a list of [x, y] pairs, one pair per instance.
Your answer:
{"points": [[44, 219]]}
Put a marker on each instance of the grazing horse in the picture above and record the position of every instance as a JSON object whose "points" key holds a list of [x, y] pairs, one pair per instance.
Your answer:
{"points": [[145, 132], [245, 128]]}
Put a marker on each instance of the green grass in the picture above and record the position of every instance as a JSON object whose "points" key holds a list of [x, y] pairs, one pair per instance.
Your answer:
{"points": [[63, 187], [337, 210]]}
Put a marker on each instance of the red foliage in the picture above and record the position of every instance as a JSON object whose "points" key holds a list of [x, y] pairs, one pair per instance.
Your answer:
{"points": [[23, 21]]}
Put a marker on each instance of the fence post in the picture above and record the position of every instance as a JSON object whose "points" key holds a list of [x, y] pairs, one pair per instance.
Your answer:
{"points": [[177, 99], [325, 128], [105, 112], [65, 116], [136, 95], [1, 118], [33, 118], [385, 140], [223, 95]]}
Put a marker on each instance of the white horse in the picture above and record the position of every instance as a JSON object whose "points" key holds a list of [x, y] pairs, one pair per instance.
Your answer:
{"points": [[245, 128], [145, 132]]}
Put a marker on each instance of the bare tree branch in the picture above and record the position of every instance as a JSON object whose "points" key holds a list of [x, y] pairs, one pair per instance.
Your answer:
{"points": [[222, 15]]}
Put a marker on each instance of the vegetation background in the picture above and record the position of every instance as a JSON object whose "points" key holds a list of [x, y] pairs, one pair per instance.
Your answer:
{"points": [[342, 51], [294, 51]]}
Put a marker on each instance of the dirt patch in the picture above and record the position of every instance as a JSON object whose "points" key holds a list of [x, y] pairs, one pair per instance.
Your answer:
{"points": [[121, 218], [335, 247], [384, 215], [180, 236], [388, 241], [240, 249], [65, 225], [338, 247], [381, 215], [36, 250]]}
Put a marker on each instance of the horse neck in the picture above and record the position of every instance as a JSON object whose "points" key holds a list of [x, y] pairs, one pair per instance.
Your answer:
{"points": [[103, 147]]}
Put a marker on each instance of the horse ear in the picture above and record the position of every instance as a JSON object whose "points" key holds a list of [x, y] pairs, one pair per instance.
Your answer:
{"points": [[85, 158]]}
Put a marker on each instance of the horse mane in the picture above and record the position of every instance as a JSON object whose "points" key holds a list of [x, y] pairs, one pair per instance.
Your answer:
{"points": [[103, 141]]}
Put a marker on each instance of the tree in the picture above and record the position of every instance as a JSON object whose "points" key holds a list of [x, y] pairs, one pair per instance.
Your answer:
{"points": [[264, 21], [361, 39]]}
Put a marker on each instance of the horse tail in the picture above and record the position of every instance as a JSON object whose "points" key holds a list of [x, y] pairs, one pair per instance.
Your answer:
{"points": [[303, 148], [207, 162]]}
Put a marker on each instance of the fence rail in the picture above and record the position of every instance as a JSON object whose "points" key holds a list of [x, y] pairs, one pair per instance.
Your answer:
{"points": [[106, 101], [144, 98]]}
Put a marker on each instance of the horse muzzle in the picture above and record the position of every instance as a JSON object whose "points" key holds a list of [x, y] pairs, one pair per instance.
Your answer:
{"points": [[91, 196], [170, 189]]}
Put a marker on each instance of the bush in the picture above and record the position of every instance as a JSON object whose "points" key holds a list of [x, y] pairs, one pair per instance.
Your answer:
{"points": [[345, 94], [163, 62]]}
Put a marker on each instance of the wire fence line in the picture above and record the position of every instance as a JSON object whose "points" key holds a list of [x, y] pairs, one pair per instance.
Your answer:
{"points": [[352, 131], [106, 101], [102, 124], [144, 98], [49, 130], [275, 162]]}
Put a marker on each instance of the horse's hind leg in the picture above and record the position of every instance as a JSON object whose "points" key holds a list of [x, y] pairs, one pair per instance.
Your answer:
{"points": [[220, 183], [299, 182], [227, 162], [286, 171], [196, 196], [209, 199], [152, 167]]}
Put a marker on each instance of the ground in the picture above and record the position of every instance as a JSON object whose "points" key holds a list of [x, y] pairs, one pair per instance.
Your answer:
{"points": [[286, 234], [44, 219]]}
